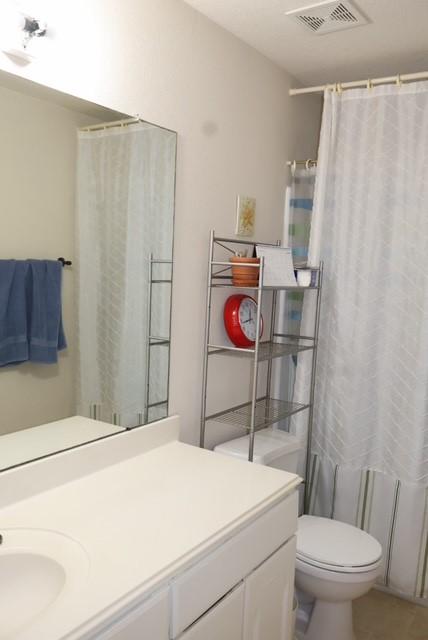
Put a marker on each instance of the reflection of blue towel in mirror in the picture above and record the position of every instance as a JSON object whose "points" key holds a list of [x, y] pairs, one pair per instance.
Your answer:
{"points": [[30, 311], [44, 295]]}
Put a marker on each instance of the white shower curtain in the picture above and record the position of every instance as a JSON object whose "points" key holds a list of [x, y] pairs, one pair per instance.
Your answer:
{"points": [[370, 226], [125, 212]]}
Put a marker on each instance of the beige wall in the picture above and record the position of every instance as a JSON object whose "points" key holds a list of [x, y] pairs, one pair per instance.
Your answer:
{"points": [[37, 186], [236, 124]]}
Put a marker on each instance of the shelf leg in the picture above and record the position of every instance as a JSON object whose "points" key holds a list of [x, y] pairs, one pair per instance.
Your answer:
{"points": [[149, 333], [271, 337], [270, 362], [206, 343], [256, 362], [308, 487]]}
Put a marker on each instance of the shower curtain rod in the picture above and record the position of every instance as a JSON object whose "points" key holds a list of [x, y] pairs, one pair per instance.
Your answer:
{"points": [[110, 125], [339, 86], [102, 126]]}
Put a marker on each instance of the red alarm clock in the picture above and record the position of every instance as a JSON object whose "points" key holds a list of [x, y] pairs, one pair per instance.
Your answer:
{"points": [[240, 318]]}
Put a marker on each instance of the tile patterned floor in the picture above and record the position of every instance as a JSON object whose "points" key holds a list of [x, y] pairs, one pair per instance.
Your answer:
{"points": [[378, 616]]}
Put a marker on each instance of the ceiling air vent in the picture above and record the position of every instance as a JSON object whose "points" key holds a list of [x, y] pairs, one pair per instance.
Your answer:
{"points": [[325, 17]]}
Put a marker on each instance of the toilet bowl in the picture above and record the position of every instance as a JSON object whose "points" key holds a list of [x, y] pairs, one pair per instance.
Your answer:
{"points": [[335, 562]]}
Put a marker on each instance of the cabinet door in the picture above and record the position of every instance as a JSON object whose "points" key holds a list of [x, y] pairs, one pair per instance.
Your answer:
{"points": [[203, 584], [149, 621], [222, 622], [269, 597]]}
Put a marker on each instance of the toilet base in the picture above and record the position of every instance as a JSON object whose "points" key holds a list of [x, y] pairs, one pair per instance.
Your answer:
{"points": [[330, 620]]}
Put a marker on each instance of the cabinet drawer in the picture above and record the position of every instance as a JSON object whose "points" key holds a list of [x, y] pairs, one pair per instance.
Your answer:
{"points": [[148, 621], [223, 621], [201, 586]]}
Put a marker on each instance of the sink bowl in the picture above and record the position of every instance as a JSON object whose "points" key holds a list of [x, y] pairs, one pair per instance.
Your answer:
{"points": [[39, 570]]}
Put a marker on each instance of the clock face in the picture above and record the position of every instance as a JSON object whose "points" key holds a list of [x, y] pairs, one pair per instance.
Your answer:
{"points": [[247, 318], [240, 320]]}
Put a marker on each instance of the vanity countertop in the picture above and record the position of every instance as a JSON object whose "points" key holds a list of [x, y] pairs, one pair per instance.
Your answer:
{"points": [[142, 519]]}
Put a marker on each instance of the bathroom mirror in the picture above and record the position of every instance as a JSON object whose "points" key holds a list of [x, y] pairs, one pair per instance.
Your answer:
{"points": [[96, 188]]}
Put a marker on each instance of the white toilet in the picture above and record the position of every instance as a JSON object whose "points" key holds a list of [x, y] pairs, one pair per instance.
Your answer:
{"points": [[335, 563]]}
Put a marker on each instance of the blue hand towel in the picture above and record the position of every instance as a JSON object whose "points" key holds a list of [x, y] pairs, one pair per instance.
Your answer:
{"points": [[46, 336], [30, 311], [13, 311]]}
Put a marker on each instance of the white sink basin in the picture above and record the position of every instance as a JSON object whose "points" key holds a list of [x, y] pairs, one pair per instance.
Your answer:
{"points": [[39, 570]]}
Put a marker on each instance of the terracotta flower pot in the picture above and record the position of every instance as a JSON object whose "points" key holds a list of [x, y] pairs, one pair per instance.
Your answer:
{"points": [[245, 276]]}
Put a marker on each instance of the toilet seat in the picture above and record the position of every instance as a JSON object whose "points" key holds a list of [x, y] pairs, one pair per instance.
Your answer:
{"points": [[338, 569], [335, 546]]}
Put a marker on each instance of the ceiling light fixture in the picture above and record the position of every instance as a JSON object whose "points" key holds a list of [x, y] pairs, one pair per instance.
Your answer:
{"points": [[18, 31]]}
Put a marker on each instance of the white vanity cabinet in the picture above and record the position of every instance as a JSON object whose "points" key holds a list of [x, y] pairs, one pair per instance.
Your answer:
{"points": [[242, 590], [199, 588], [259, 608]]}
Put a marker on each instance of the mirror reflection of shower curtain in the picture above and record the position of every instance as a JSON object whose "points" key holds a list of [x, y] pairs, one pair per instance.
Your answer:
{"points": [[124, 212]]}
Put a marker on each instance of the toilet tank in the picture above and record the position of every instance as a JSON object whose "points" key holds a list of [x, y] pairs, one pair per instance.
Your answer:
{"points": [[272, 447]]}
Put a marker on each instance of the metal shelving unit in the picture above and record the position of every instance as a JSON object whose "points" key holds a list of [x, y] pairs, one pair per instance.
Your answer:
{"points": [[259, 412], [154, 341]]}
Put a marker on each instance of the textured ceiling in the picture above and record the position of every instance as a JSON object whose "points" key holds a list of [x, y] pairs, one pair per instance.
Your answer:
{"points": [[395, 41]]}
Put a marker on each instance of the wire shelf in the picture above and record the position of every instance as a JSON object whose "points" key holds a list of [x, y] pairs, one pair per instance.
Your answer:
{"points": [[267, 412], [267, 350], [227, 285]]}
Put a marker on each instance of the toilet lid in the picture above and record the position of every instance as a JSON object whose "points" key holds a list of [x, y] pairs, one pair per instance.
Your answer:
{"points": [[335, 545]]}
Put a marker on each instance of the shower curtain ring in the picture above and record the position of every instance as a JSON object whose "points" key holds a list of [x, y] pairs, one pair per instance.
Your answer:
{"points": [[293, 168], [308, 164], [398, 81], [369, 84]]}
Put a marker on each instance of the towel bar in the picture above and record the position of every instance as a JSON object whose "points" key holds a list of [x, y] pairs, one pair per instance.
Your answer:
{"points": [[65, 263]]}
